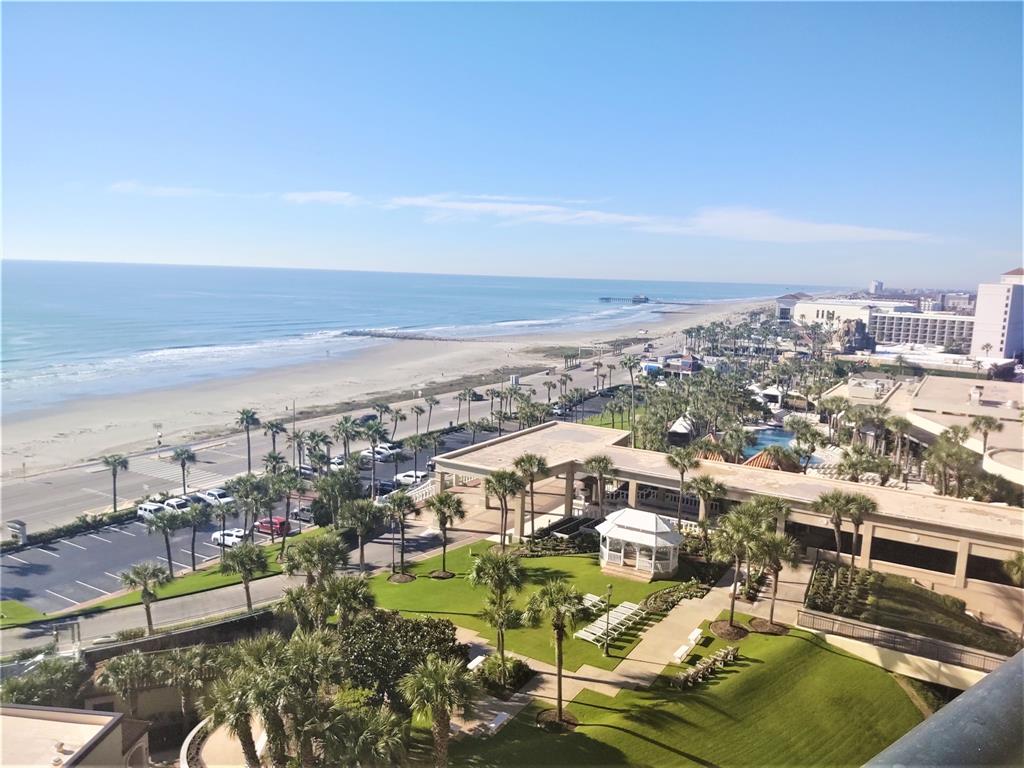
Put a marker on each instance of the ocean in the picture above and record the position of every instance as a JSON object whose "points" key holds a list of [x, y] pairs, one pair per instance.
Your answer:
{"points": [[73, 330]]}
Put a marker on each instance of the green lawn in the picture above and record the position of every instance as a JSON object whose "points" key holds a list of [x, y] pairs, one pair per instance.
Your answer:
{"points": [[791, 700], [457, 600], [14, 614]]}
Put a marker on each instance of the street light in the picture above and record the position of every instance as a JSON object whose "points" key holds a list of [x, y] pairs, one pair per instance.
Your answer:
{"points": [[607, 617]]}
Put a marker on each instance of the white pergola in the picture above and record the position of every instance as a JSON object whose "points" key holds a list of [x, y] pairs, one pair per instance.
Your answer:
{"points": [[645, 541]]}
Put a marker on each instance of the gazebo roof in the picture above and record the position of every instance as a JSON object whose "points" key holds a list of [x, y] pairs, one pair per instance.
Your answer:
{"points": [[637, 527], [765, 460]]}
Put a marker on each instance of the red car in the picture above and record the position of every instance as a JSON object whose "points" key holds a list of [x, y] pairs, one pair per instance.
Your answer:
{"points": [[273, 526]]}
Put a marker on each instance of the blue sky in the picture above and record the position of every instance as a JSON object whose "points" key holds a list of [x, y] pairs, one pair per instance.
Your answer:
{"points": [[824, 143]]}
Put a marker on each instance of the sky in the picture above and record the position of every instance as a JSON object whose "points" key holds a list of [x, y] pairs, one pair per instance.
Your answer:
{"points": [[820, 143]]}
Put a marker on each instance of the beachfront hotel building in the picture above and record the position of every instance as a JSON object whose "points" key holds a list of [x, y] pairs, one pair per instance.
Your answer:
{"points": [[932, 328], [999, 317]]}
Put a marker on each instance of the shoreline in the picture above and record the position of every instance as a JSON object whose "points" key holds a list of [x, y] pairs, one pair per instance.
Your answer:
{"points": [[392, 370]]}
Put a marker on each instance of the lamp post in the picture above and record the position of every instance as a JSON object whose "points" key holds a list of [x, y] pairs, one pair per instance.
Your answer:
{"points": [[607, 617]]}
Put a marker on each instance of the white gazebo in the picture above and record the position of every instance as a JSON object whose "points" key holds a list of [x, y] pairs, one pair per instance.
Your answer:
{"points": [[640, 544]]}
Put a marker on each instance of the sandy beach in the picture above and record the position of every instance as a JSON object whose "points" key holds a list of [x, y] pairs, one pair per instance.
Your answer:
{"points": [[391, 370]]}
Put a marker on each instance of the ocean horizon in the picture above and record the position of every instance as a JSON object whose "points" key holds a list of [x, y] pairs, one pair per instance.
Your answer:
{"points": [[83, 329]]}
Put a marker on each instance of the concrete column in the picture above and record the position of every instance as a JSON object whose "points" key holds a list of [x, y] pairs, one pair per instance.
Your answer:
{"points": [[487, 500], [963, 551], [634, 486], [570, 478], [867, 534], [519, 516], [442, 480]]}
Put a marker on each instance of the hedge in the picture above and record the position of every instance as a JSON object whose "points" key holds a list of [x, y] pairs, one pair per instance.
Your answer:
{"points": [[81, 524]]}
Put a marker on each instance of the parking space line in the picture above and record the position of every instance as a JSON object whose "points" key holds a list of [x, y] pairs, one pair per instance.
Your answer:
{"points": [[51, 554], [90, 586], [24, 562], [175, 562], [65, 541], [113, 576], [100, 538], [135, 522], [205, 557], [112, 528], [208, 544], [73, 602]]}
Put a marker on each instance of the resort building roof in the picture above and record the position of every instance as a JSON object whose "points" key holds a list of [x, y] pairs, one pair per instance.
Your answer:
{"points": [[53, 736], [765, 460], [646, 529]]}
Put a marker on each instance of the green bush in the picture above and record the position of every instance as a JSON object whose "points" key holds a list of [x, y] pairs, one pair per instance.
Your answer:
{"points": [[130, 634], [516, 674], [954, 603], [81, 524], [666, 599]]}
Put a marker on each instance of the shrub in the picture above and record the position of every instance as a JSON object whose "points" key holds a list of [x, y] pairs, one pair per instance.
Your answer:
{"points": [[130, 634], [517, 674], [80, 524], [954, 604], [666, 599]]}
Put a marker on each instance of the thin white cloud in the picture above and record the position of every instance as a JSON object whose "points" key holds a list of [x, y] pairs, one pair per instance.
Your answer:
{"points": [[131, 187], [324, 196]]}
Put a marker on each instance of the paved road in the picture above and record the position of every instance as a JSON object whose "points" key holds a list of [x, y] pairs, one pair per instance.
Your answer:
{"points": [[58, 497], [78, 569]]}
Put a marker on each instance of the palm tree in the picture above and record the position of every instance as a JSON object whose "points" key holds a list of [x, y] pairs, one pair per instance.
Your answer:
{"points": [[195, 516], [1014, 569], [297, 440], [431, 401], [899, 426], [502, 573], [531, 468], [436, 441], [184, 456], [375, 433], [598, 365], [126, 675], [775, 551], [318, 555], [165, 522], [835, 505], [707, 490], [228, 704], [115, 462], [397, 415], [273, 462], [601, 467], [986, 348], [434, 689], [859, 506], [985, 425], [274, 428], [857, 460], [346, 429], [682, 460], [447, 509], [416, 443], [185, 669], [632, 364], [417, 411], [363, 517], [549, 386], [559, 601], [503, 483], [146, 577], [348, 595], [501, 614], [247, 419], [248, 560], [730, 543], [398, 507]]}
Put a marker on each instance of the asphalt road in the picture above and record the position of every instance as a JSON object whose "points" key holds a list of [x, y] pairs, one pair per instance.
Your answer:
{"points": [[68, 572]]}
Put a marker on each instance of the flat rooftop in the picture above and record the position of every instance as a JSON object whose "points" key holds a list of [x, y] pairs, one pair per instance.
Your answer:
{"points": [[955, 391], [561, 443], [29, 735]]}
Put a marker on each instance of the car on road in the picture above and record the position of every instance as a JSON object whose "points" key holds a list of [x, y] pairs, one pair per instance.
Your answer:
{"points": [[303, 513], [338, 462], [147, 509], [177, 504], [229, 537], [277, 526], [378, 454], [217, 496], [197, 499], [306, 471], [558, 411], [410, 478], [366, 418], [476, 397], [383, 487]]}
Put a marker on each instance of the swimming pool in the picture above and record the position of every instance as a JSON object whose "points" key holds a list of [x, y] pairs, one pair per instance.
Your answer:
{"points": [[773, 436]]}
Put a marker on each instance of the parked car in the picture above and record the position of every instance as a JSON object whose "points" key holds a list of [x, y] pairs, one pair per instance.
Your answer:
{"points": [[147, 509], [337, 462], [177, 504], [217, 496], [229, 537], [197, 499], [278, 526], [476, 397], [558, 411], [306, 471], [383, 487], [303, 513], [410, 478], [377, 454], [366, 418]]}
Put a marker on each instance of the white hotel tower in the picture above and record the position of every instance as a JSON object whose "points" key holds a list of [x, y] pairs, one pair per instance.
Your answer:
{"points": [[999, 317]]}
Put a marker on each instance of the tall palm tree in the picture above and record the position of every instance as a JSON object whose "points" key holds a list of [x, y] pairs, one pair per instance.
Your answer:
{"points": [[375, 433], [186, 670], [531, 467], [776, 551], [363, 517], [859, 505], [835, 505], [274, 428], [346, 429], [985, 425], [273, 462], [559, 601], [397, 416], [318, 556], [631, 363], [447, 509], [348, 596], [460, 398], [707, 489], [184, 456], [228, 703], [856, 462], [417, 411], [398, 507], [729, 543], [504, 483], [601, 467], [126, 675], [247, 419], [436, 441], [248, 560], [146, 577], [501, 614], [682, 460], [165, 522], [434, 689], [115, 462], [381, 409], [1014, 569], [415, 443], [899, 426], [431, 401], [549, 386], [502, 573], [297, 441], [598, 365], [195, 516]]}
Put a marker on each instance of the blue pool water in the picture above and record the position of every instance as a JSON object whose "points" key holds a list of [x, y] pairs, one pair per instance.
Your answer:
{"points": [[773, 436]]}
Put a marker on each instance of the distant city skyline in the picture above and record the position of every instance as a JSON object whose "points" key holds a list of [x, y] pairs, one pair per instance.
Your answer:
{"points": [[717, 142]]}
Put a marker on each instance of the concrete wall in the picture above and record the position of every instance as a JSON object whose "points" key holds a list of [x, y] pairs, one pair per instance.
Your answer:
{"points": [[911, 666]]}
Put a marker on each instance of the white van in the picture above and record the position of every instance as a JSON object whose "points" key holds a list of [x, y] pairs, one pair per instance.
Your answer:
{"points": [[147, 509]]}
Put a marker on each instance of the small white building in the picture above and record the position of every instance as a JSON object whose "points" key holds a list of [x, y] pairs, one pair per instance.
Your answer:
{"points": [[638, 544]]}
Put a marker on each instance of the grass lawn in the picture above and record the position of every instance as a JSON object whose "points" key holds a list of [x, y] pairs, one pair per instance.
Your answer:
{"points": [[457, 600], [15, 614], [789, 700], [906, 606]]}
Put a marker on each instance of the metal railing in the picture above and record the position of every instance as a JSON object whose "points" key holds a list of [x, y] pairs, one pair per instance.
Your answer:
{"points": [[903, 642]]}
